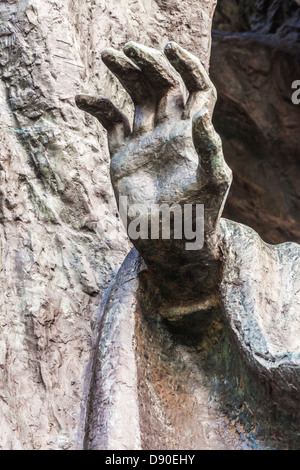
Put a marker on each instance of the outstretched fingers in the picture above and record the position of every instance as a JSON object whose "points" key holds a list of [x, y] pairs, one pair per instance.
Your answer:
{"points": [[153, 64], [188, 66], [161, 76], [137, 86], [201, 89], [111, 118], [128, 74]]}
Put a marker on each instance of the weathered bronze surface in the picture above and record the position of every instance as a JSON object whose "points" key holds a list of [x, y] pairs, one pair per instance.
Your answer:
{"points": [[190, 338]]}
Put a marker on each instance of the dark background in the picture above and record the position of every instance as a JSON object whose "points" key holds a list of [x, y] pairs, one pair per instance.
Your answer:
{"points": [[255, 59]]}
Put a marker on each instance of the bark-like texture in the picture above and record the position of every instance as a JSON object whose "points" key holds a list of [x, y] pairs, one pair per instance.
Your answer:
{"points": [[255, 60], [58, 242], [57, 236]]}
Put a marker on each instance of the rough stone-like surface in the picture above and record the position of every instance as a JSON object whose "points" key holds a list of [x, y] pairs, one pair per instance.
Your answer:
{"points": [[56, 203], [57, 238], [255, 60]]}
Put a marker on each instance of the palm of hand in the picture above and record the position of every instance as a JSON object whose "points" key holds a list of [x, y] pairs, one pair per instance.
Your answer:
{"points": [[158, 167]]}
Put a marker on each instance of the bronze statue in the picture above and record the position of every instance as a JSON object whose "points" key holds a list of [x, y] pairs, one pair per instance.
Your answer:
{"points": [[218, 325]]}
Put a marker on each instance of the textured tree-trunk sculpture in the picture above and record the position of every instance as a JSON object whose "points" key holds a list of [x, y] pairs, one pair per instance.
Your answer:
{"points": [[92, 356], [60, 244]]}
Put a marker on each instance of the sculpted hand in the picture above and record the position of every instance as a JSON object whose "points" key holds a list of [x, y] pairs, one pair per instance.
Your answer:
{"points": [[171, 155]]}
